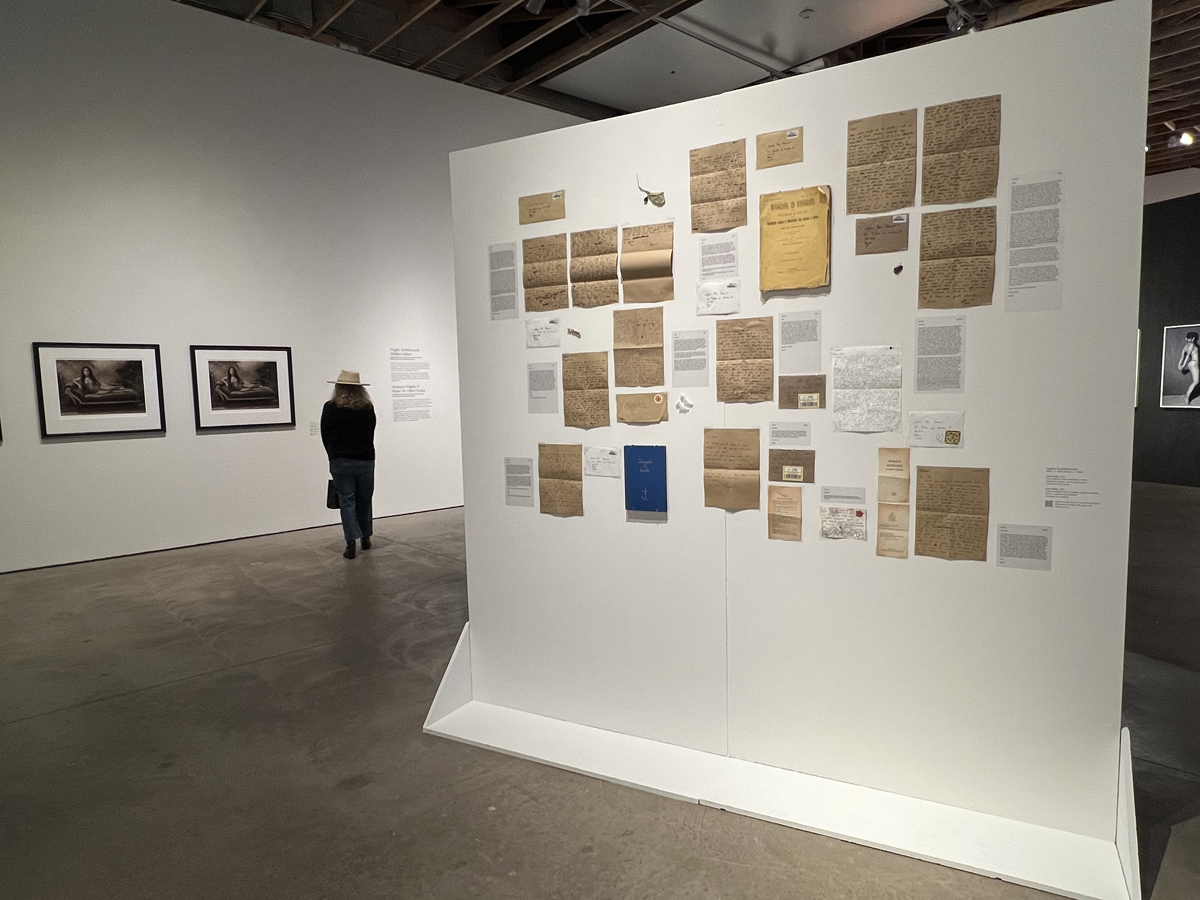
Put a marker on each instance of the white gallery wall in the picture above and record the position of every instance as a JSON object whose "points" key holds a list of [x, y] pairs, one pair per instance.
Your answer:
{"points": [[175, 177], [980, 688]]}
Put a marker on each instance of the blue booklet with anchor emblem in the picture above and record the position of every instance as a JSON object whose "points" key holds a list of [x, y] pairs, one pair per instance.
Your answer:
{"points": [[646, 479]]}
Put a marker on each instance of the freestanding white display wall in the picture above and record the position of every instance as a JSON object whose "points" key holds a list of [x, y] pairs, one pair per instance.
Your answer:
{"points": [[954, 711]]}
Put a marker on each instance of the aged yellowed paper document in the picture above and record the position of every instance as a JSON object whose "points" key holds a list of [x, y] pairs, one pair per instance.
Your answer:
{"points": [[958, 258], [961, 160], [794, 239], [638, 347], [731, 460], [647, 261], [881, 234], [801, 391], [891, 530], [785, 512], [585, 389], [542, 207], [718, 186], [779, 148], [745, 360], [953, 503], [560, 479], [642, 409], [594, 267], [792, 466], [893, 474], [544, 272], [881, 162]]}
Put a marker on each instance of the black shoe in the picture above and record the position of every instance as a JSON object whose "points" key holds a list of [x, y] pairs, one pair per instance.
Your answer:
{"points": [[350, 554], [366, 543]]}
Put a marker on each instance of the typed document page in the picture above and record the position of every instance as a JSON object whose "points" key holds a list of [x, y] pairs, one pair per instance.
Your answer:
{"points": [[1035, 243], [689, 358], [502, 281]]}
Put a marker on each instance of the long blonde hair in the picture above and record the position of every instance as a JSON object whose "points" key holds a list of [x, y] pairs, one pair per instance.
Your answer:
{"points": [[351, 396]]}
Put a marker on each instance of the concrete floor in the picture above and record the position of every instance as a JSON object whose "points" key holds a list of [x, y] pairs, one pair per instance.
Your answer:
{"points": [[243, 720]]}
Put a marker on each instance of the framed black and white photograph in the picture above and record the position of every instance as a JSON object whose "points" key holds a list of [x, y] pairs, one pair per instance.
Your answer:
{"points": [[86, 389], [1181, 367], [242, 387]]}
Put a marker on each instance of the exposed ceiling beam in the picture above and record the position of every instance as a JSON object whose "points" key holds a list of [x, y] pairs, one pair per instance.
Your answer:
{"points": [[1165, 32], [587, 46], [331, 18], [1179, 76], [1164, 10], [533, 37], [254, 10], [1183, 114], [1185, 44], [1160, 67], [416, 9], [1023, 9], [501, 9], [1175, 100]]}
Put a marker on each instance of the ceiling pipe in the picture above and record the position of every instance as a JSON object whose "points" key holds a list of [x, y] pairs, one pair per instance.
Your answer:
{"points": [[704, 39]]}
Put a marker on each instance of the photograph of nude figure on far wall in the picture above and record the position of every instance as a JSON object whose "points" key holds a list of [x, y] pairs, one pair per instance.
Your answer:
{"points": [[1181, 366], [243, 384]]}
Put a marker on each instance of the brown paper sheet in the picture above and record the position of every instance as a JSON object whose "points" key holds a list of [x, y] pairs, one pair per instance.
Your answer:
{"points": [[585, 389], [794, 239], [718, 186], [779, 148], [594, 267], [638, 347], [544, 272], [785, 512], [560, 479], [642, 409], [891, 530], [881, 234], [745, 360], [542, 207], [801, 391], [792, 466], [731, 468], [953, 504], [881, 163], [647, 261], [961, 161], [958, 258]]}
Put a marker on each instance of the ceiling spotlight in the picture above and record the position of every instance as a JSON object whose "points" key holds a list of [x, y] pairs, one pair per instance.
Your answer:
{"points": [[1180, 139], [534, 7], [1186, 139]]}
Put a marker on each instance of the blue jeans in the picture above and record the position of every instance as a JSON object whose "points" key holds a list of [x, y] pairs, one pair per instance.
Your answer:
{"points": [[354, 481]]}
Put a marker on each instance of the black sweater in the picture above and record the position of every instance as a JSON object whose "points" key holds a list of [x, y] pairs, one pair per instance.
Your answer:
{"points": [[348, 433]]}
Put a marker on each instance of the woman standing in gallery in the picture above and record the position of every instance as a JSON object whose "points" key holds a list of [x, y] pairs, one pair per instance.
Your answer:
{"points": [[1189, 364], [348, 433]]}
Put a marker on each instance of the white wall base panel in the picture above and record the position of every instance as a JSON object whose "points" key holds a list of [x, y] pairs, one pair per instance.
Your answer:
{"points": [[1031, 855]]}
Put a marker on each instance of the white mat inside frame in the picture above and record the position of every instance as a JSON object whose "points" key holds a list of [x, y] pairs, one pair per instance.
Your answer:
{"points": [[1031, 855]]}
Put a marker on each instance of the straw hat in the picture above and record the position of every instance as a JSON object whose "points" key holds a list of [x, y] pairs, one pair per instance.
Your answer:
{"points": [[350, 377]]}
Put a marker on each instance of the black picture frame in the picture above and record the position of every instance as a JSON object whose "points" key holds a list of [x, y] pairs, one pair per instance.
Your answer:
{"points": [[88, 406], [218, 406]]}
